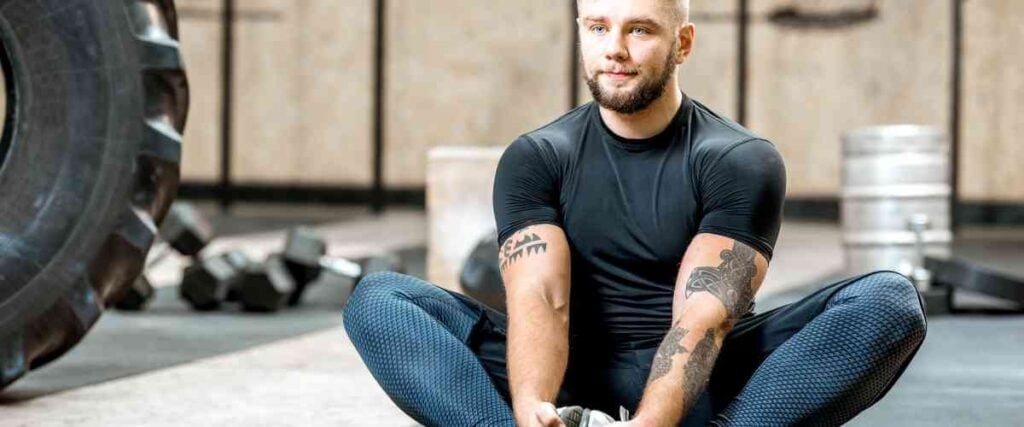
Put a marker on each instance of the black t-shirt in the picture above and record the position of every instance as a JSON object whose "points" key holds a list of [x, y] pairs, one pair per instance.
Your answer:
{"points": [[629, 208]]}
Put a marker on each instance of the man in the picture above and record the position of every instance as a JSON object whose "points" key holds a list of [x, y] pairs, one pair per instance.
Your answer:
{"points": [[634, 233]]}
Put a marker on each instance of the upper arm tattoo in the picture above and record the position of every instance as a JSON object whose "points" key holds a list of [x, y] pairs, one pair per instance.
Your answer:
{"points": [[514, 249], [730, 282]]}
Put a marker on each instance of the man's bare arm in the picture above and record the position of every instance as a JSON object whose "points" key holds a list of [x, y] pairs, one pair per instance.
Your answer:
{"points": [[535, 269], [716, 285]]}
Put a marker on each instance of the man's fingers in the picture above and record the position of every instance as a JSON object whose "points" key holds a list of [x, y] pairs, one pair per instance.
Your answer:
{"points": [[548, 416]]}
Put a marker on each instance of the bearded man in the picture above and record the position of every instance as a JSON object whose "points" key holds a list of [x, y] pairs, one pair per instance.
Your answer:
{"points": [[635, 232]]}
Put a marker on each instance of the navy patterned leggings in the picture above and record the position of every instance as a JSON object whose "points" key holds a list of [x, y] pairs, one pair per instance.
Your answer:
{"points": [[440, 356]]}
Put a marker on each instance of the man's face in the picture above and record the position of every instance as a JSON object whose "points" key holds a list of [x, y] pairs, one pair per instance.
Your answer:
{"points": [[630, 50]]}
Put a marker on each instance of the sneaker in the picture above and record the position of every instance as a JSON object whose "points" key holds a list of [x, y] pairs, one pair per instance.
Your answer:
{"points": [[577, 416]]}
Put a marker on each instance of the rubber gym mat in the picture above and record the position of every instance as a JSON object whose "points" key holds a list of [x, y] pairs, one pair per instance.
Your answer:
{"points": [[169, 333]]}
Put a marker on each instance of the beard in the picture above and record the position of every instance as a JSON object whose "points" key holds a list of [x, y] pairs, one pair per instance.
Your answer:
{"points": [[647, 91]]}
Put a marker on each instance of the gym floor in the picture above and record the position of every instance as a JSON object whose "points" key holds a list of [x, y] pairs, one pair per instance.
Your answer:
{"points": [[169, 365]]}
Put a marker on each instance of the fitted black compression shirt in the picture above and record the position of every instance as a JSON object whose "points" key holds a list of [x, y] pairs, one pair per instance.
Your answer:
{"points": [[629, 208]]}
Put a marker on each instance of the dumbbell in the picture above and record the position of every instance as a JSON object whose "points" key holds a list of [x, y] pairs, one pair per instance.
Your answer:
{"points": [[268, 280], [342, 274], [136, 296], [267, 287], [231, 276], [282, 278], [207, 283], [303, 251], [185, 229], [241, 263], [304, 257]]}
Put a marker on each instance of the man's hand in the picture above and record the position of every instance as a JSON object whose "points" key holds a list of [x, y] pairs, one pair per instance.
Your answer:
{"points": [[638, 421], [541, 414]]}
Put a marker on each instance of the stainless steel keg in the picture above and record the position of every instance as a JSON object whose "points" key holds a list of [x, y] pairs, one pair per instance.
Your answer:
{"points": [[895, 197]]}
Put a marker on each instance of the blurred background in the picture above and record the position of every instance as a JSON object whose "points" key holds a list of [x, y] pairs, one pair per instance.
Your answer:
{"points": [[376, 124], [326, 106]]}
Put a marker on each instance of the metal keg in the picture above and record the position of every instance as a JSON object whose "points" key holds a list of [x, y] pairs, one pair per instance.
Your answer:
{"points": [[895, 198]]}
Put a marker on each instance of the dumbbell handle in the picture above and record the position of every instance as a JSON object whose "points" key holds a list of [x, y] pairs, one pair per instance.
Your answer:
{"points": [[160, 249], [342, 266]]}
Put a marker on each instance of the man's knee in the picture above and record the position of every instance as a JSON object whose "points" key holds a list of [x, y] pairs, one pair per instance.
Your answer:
{"points": [[893, 296], [371, 299]]}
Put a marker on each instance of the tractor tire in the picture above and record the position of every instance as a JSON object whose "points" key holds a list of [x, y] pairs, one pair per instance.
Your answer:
{"points": [[89, 163]]}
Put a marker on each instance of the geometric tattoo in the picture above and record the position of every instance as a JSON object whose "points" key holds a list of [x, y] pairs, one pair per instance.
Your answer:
{"points": [[670, 347], [730, 282], [513, 250]]}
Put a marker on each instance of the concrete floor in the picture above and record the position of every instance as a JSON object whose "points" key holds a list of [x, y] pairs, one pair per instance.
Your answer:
{"points": [[170, 366]]}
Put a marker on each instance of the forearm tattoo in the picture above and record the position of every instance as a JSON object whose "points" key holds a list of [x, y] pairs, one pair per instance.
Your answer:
{"points": [[670, 347], [698, 368], [730, 282], [529, 243]]}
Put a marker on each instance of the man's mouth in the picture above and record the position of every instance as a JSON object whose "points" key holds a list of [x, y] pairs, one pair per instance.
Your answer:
{"points": [[618, 75]]}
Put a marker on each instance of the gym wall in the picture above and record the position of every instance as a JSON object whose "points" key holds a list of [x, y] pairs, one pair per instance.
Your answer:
{"points": [[711, 72], [993, 114], [199, 27], [465, 72], [302, 92], [809, 85], [470, 72]]}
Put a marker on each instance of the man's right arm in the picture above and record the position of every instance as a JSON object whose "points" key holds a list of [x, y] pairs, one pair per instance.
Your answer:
{"points": [[535, 270]]}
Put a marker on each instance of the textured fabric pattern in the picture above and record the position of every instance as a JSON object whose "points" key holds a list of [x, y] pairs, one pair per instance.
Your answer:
{"points": [[840, 363], [412, 337]]}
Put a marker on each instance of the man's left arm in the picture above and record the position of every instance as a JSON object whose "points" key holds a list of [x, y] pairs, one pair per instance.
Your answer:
{"points": [[742, 189], [715, 287]]}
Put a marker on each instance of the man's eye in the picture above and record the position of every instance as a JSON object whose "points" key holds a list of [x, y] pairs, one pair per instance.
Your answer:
{"points": [[597, 29], [640, 31]]}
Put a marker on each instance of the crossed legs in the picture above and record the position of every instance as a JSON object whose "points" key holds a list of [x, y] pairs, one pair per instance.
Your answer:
{"points": [[819, 361]]}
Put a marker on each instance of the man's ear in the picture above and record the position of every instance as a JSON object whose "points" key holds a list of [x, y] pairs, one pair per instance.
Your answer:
{"points": [[687, 37]]}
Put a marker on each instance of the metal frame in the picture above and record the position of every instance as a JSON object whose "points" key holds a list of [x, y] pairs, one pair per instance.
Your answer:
{"points": [[955, 103], [227, 86]]}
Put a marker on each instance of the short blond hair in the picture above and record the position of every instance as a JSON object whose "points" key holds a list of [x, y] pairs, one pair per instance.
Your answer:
{"points": [[681, 9]]}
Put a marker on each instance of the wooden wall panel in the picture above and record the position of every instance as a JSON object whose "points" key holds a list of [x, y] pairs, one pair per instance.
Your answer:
{"points": [[808, 86], [710, 74], [199, 30], [470, 72], [303, 92], [992, 108], [304, 84]]}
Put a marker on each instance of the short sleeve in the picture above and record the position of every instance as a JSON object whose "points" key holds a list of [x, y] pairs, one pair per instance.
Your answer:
{"points": [[525, 189], [742, 193]]}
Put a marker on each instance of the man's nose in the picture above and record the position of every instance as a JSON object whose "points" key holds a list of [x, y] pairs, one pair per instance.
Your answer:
{"points": [[615, 48]]}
